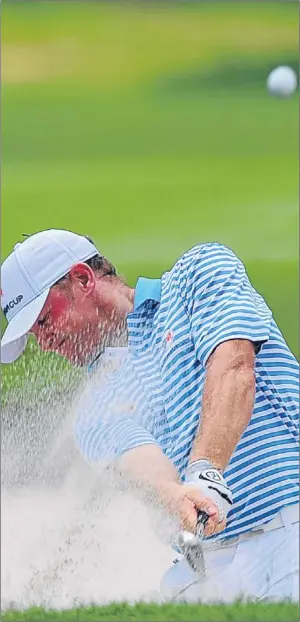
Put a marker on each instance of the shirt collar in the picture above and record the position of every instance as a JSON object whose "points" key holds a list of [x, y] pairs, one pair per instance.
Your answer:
{"points": [[146, 289]]}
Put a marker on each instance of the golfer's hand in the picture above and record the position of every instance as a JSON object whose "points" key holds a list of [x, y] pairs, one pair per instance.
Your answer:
{"points": [[211, 484], [185, 500]]}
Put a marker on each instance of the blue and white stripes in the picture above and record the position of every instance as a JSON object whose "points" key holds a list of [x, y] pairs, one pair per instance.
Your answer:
{"points": [[155, 397]]}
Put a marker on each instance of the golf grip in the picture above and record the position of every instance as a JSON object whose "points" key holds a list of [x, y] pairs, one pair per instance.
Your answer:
{"points": [[202, 520]]}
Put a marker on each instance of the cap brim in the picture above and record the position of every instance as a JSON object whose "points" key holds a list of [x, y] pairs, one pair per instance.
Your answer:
{"points": [[14, 340]]}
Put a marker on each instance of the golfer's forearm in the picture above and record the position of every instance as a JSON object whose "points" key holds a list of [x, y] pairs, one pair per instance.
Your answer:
{"points": [[148, 467], [227, 403]]}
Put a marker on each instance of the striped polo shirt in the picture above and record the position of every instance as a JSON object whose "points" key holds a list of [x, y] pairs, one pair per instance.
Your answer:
{"points": [[154, 394]]}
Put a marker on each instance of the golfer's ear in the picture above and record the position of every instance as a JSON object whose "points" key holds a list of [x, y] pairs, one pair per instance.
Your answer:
{"points": [[82, 276]]}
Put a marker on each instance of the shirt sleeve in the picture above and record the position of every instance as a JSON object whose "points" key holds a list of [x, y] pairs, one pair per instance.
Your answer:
{"points": [[220, 301], [104, 442], [112, 420]]}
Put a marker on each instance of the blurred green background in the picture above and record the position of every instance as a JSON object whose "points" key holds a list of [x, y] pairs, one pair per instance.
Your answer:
{"points": [[149, 127]]}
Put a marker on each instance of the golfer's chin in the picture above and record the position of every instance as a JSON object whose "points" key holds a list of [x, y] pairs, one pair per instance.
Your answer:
{"points": [[81, 356], [77, 358]]}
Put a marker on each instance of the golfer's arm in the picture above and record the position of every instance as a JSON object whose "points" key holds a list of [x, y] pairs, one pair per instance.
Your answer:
{"points": [[227, 402], [147, 467]]}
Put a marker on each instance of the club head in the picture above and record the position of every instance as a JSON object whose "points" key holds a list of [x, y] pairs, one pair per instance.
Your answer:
{"points": [[191, 548]]}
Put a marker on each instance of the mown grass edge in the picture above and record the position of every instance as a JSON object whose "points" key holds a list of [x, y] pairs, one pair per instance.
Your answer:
{"points": [[240, 612]]}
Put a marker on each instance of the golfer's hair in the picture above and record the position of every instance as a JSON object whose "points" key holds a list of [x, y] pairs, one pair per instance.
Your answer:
{"points": [[100, 264]]}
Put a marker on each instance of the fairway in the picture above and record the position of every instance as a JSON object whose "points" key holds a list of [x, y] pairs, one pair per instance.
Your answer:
{"points": [[149, 127], [151, 153]]}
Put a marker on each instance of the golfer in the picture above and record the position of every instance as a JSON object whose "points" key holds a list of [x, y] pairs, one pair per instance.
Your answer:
{"points": [[203, 411]]}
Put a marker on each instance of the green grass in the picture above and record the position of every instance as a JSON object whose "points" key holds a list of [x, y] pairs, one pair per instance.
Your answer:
{"points": [[283, 612], [151, 129], [123, 45]]}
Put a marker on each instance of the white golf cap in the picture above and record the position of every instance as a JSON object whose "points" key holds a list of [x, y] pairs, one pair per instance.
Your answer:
{"points": [[27, 275]]}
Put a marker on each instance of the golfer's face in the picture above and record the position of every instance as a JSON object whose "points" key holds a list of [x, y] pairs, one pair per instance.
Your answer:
{"points": [[63, 327]]}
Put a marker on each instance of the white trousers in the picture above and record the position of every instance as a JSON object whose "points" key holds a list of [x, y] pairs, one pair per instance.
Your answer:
{"points": [[262, 565]]}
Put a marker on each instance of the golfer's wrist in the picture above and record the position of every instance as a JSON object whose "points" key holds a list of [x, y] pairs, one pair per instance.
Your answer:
{"points": [[201, 464], [170, 494]]}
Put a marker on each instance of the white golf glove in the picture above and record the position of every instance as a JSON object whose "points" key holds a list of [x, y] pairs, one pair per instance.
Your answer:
{"points": [[211, 483]]}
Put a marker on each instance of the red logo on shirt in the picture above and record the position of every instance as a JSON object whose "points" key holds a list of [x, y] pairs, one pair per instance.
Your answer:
{"points": [[168, 338]]}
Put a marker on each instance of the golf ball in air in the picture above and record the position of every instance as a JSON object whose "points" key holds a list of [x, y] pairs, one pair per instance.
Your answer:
{"points": [[282, 81]]}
